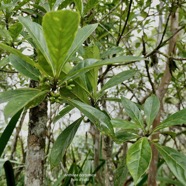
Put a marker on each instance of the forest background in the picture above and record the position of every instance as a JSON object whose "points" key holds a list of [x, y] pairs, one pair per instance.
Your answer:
{"points": [[93, 92]]}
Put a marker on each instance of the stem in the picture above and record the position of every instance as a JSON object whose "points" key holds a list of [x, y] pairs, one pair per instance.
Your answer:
{"points": [[35, 158], [161, 91], [125, 25]]}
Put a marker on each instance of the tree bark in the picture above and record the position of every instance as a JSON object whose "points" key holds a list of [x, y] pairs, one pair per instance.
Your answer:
{"points": [[107, 154], [35, 158], [161, 91], [96, 141]]}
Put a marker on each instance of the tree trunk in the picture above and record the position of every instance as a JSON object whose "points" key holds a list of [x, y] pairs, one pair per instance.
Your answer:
{"points": [[107, 154], [96, 141], [35, 158], [161, 91]]}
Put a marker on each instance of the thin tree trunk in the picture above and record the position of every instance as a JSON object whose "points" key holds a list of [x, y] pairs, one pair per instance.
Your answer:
{"points": [[107, 154], [96, 141], [35, 158], [161, 91]]}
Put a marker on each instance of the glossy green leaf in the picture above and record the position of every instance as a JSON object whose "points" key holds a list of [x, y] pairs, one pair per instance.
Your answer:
{"points": [[18, 53], [51, 3], [178, 118], [90, 5], [36, 32], [111, 51], [76, 92], [9, 173], [62, 113], [4, 62], [91, 52], [18, 99], [138, 158], [79, 6], [151, 109], [90, 78], [124, 124], [24, 68], [56, 4], [119, 78], [15, 30], [5, 136], [96, 63], [120, 174], [62, 143], [122, 136], [133, 111], [44, 64], [5, 35], [59, 29], [175, 160], [166, 180], [97, 117], [81, 36]]}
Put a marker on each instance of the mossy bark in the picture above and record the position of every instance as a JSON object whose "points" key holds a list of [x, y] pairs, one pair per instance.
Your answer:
{"points": [[35, 158]]}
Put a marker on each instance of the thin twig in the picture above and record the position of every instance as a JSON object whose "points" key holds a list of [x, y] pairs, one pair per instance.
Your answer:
{"points": [[125, 25], [174, 58], [146, 66], [164, 42]]}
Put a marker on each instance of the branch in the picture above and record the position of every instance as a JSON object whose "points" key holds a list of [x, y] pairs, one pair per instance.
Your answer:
{"points": [[125, 25], [146, 66], [164, 42], [110, 12], [7, 71], [174, 58], [165, 29]]}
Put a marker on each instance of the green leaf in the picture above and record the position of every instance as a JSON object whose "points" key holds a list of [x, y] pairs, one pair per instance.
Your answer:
{"points": [[18, 53], [60, 28], [44, 64], [166, 180], [90, 4], [81, 36], [62, 113], [97, 117], [96, 63], [120, 174], [56, 4], [62, 142], [5, 136], [91, 52], [18, 99], [88, 79], [151, 109], [175, 160], [111, 52], [122, 136], [5, 35], [4, 62], [119, 78], [133, 111], [92, 81], [79, 6], [178, 118], [24, 68], [123, 124], [15, 30], [138, 158], [9, 173], [36, 32], [76, 92]]}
